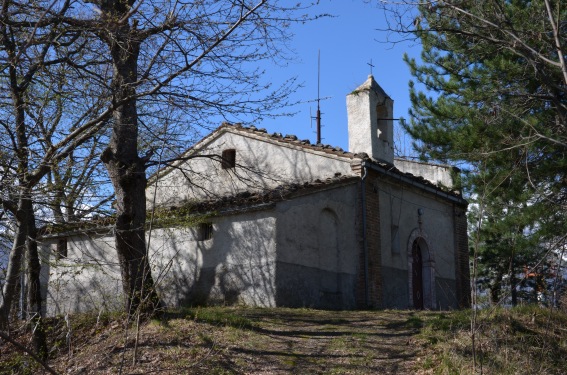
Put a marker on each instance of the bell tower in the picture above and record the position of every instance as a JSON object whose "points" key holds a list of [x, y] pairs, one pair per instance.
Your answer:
{"points": [[370, 121]]}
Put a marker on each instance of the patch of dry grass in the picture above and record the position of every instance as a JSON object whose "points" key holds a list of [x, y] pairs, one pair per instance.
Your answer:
{"points": [[522, 340], [237, 340]]}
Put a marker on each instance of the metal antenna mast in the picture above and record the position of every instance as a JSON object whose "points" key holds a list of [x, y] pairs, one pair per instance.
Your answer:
{"points": [[318, 118], [319, 98]]}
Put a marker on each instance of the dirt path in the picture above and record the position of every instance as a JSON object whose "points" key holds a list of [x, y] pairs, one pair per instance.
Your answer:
{"points": [[526, 339], [239, 341], [332, 343]]}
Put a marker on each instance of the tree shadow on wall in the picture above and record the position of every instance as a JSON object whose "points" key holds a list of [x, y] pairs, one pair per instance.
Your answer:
{"points": [[88, 279], [236, 265]]}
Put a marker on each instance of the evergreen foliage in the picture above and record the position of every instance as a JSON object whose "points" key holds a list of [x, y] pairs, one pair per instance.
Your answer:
{"points": [[496, 104]]}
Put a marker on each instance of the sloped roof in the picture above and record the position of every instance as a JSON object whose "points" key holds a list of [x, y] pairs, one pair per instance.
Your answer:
{"points": [[262, 134], [335, 151], [237, 203], [247, 199], [288, 139], [259, 199], [371, 84]]}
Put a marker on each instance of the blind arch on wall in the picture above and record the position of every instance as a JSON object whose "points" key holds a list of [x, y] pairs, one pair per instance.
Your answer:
{"points": [[329, 246]]}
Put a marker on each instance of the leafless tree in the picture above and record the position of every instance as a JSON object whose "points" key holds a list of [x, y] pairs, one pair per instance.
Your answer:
{"points": [[199, 57], [74, 67], [28, 37]]}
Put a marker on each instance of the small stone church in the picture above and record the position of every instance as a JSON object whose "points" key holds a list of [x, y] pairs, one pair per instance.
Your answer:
{"points": [[270, 220]]}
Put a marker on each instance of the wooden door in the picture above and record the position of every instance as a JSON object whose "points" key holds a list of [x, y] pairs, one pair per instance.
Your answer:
{"points": [[417, 276]]}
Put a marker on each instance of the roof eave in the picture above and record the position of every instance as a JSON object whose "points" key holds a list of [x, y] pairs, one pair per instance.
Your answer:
{"points": [[396, 174]]}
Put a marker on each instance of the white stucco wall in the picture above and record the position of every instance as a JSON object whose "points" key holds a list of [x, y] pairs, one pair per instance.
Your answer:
{"points": [[318, 249], [260, 163], [88, 279], [299, 252], [237, 263], [435, 173], [304, 239], [399, 208], [370, 126]]}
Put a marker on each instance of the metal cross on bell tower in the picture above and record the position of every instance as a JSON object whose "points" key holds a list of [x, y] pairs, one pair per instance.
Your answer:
{"points": [[371, 66]]}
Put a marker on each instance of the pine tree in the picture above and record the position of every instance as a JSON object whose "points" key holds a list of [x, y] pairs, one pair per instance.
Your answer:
{"points": [[496, 105]]}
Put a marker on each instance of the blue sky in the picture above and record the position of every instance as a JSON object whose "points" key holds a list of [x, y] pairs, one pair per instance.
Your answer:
{"points": [[347, 43]]}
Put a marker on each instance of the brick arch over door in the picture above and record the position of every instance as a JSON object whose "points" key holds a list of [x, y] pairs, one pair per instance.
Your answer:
{"points": [[418, 244]]}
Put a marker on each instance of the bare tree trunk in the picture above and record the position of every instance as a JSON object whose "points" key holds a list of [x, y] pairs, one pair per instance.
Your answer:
{"points": [[25, 242], [34, 284], [127, 169], [10, 289]]}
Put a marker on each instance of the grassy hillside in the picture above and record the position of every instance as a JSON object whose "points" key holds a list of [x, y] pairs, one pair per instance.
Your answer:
{"points": [[523, 340], [302, 341]]}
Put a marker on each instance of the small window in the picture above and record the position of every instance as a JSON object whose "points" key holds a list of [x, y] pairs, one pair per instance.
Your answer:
{"points": [[228, 158], [61, 248], [205, 231]]}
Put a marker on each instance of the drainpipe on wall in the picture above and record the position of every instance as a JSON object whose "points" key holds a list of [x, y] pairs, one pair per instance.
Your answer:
{"points": [[364, 239]]}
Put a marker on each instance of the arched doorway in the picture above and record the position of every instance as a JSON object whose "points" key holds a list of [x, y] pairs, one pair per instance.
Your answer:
{"points": [[421, 272]]}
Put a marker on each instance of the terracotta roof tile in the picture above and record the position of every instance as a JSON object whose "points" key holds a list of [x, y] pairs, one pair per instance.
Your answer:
{"points": [[237, 202], [291, 139], [335, 151], [279, 193]]}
